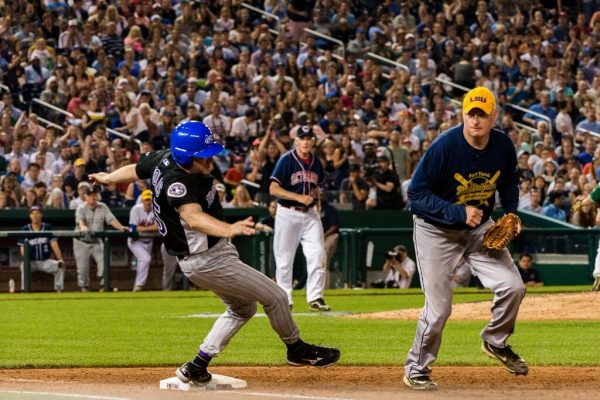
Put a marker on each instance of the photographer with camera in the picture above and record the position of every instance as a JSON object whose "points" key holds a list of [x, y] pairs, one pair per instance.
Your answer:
{"points": [[398, 269], [386, 187]]}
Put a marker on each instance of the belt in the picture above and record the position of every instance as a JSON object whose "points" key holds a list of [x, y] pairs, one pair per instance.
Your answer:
{"points": [[297, 208]]}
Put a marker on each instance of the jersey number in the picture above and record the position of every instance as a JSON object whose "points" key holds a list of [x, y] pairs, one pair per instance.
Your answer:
{"points": [[162, 228]]}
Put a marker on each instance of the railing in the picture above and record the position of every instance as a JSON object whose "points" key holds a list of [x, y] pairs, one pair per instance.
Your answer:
{"points": [[104, 235], [528, 111], [69, 115], [53, 107], [388, 61], [450, 83], [329, 38], [525, 126], [589, 131], [264, 14]]}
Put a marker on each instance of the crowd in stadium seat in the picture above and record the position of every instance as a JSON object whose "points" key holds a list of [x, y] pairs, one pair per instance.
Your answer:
{"points": [[134, 69]]}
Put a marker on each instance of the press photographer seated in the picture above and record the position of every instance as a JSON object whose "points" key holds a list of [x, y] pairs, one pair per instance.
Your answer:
{"points": [[398, 269]]}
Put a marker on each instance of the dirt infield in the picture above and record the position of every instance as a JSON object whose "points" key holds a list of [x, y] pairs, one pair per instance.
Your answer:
{"points": [[339, 383], [566, 306]]}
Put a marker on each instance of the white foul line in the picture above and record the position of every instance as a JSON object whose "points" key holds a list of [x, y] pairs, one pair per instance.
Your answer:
{"points": [[291, 396], [79, 396]]}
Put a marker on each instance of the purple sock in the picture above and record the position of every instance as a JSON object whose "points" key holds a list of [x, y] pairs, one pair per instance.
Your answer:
{"points": [[202, 359]]}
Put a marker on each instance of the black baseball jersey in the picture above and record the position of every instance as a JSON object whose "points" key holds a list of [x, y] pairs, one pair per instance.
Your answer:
{"points": [[172, 187]]}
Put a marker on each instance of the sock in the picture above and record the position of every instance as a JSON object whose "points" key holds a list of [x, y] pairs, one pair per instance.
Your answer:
{"points": [[295, 345], [202, 359]]}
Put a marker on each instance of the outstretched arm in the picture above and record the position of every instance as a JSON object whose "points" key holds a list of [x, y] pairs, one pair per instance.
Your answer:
{"points": [[123, 174], [199, 221]]}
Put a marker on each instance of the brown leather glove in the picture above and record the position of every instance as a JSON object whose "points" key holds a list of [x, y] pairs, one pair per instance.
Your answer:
{"points": [[499, 235]]}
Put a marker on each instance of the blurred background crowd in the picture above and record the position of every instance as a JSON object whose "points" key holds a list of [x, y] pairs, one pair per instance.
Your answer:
{"points": [[89, 85]]}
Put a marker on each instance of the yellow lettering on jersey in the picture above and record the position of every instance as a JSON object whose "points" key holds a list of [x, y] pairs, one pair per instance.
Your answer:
{"points": [[477, 189]]}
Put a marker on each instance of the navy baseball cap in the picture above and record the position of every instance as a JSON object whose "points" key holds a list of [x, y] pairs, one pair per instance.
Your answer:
{"points": [[305, 131]]}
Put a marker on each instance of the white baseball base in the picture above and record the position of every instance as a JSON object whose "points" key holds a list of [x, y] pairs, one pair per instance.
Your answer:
{"points": [[218, 382]]}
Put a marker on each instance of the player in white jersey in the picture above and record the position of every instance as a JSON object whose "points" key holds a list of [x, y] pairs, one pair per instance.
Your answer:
{"points": [[141, 219]]}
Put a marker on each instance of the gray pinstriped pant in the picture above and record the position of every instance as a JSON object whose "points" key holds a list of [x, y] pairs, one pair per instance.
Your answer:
{"points": [[438, 251], [240, 287]]}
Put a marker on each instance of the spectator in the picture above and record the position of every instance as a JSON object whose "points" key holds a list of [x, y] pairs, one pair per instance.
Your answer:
{"points": [[241, 198], [56, 200], [39, 253], [590, 123], [91, 216], [543, 107], [385, 182], [354, 189], [535, 201], [269, 220], [111, 196], [82, 188], [73, 179], [529, 273], [554, 208], [585, 216]]}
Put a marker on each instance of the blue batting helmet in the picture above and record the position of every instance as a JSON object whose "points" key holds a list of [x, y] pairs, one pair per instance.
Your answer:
{"points": [[192, 139]]}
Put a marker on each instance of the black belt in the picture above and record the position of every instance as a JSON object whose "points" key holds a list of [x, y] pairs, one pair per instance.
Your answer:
{"points": [[297, 208]]}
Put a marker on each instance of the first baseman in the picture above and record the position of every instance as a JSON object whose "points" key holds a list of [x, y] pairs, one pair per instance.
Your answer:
{"points": [[190, 220], [295, 181], [39, 254], [141, 219], [452, 195]]}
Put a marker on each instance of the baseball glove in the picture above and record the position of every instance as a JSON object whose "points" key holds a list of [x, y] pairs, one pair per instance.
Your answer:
{"points": [[499, 235]]}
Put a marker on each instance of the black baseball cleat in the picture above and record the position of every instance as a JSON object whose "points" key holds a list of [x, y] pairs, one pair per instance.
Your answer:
{"points": [[318, 305], [511, 360], [190, 373], [312, 355], [420, 383]]}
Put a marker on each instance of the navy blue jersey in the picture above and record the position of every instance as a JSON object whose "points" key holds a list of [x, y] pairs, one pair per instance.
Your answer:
{"points": [[452, 174], [295, 175], [40, 247]]}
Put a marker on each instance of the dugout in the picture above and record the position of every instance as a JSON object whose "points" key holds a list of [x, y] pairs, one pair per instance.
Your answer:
{"points": [[563, 253]]}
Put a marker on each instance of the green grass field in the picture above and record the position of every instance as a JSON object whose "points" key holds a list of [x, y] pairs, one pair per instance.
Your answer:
{"points": [[144, 329]]}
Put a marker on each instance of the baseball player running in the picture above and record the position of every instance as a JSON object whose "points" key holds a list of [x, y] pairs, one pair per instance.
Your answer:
{"points": [[452, 195], [39, 254], [141, 219], [295, 181], [190, 220]]}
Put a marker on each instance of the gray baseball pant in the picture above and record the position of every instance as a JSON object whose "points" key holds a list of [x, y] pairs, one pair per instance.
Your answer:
{"points": [[239, 286], [438, 251], [83, 251], [48, 266]]}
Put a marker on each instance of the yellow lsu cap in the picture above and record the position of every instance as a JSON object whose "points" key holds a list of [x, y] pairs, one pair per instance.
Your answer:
{"points": [[147, 194], [480, 97]]}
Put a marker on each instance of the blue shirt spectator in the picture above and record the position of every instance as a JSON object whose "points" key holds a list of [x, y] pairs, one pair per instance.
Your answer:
{"points": [[543, 107]]}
